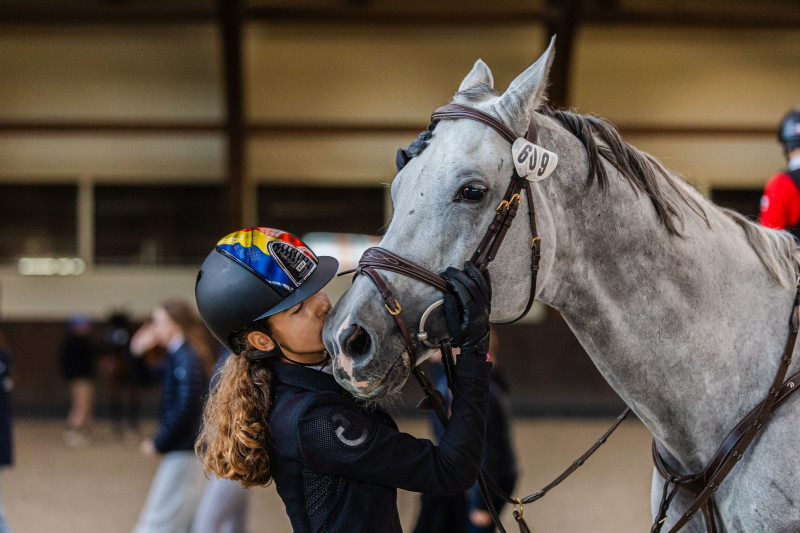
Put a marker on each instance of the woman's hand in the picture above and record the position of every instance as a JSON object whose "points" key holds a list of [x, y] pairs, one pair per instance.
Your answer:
{"points": [[480, 518], [144, 340], [148, 448], [467, 306]]}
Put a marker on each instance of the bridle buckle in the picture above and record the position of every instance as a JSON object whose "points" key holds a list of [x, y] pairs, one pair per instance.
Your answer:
{"points": [[396, 310]]}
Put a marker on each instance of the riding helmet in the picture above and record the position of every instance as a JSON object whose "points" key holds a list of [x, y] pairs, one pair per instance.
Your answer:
{"points": [[789, 130], [254, 273]]}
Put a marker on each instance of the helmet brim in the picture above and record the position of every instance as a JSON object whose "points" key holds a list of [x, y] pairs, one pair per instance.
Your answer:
{"points": [[326, 269]]}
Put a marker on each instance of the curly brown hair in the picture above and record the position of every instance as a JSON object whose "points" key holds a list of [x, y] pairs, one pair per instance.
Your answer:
{"points": [[234, 440]]}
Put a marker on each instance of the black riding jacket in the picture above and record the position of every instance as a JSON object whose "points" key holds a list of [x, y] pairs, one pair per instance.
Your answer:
{"points": [[337, 465]]}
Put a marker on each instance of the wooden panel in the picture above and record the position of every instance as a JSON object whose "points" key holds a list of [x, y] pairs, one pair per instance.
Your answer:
{"points": [[157, 73], [351, 159], [143, 158], [373, 75], [549, 371], [683, 76]]}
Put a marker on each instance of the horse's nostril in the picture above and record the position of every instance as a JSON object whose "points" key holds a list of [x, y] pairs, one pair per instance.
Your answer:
{"points": [[357, 341]]}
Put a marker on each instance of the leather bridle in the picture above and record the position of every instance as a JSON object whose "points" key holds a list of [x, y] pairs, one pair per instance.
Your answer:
{"points": [[701, 485], [377, 258]]}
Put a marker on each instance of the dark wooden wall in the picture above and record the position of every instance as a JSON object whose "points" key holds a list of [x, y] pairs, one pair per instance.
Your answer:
{"points": [[39, 388], [548, 371]]}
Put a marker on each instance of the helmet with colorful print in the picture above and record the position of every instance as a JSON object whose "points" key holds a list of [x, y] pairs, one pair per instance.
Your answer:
{"points": [[789, 130], [254, 273]]}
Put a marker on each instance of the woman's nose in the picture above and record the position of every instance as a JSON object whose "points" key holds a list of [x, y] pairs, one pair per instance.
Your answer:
{"points": [[323, 304]]}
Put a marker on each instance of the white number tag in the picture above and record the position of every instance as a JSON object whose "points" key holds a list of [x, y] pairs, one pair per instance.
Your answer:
{"points": [[533, 162]]}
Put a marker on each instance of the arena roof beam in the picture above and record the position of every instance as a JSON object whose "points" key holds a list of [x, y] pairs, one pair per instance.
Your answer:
{"points": [[231, 15], [598, 15]]}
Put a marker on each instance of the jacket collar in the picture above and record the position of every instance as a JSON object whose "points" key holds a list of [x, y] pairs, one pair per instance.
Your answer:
{"points": [[305, 378]]}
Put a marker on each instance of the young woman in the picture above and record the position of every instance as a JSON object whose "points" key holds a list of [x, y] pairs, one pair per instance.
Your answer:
{"points": [[178, 482], [276, 411]]}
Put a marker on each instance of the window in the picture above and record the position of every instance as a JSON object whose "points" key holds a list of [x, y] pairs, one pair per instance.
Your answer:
{"points": [[300, 210], [38, 221], [158, 225]]}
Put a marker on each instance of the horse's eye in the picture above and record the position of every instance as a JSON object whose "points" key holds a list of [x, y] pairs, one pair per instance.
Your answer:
{"points": [[471, 192]]}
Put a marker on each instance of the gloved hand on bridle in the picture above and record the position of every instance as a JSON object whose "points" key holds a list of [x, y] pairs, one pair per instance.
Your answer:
{"points": [[467, 306]]}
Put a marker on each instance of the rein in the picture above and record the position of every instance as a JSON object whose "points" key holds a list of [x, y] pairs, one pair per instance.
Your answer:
{"points": [[377, 258], [703, 484]]}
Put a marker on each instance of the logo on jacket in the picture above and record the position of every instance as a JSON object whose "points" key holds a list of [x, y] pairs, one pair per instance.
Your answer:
{"points": [[344, 424]]}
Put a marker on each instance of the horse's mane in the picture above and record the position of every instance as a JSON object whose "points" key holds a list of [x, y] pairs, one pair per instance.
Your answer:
{"points": [[776, 249], [641, 170], [667, 192]]}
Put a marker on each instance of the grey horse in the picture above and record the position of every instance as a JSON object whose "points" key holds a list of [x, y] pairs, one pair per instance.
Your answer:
{"points": [[683, 306]]}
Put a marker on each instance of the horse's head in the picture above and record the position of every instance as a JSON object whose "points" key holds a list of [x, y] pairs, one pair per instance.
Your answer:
{"points": [[444, 199]]}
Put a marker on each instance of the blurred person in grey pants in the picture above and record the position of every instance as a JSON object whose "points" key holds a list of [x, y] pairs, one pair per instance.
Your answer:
{"points": [[223, 506]]}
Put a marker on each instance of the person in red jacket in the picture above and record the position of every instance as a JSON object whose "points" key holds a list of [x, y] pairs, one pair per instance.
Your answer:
{"points": [[780, 204]]}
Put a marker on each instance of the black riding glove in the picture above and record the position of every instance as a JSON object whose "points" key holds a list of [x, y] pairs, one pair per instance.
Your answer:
{"points": [[467, 306]]}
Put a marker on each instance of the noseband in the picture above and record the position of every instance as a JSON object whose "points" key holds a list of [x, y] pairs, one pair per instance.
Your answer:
{"points": [[378, 258]]}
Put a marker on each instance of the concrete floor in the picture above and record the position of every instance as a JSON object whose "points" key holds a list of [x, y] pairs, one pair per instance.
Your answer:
{"points": [[100, 488]]}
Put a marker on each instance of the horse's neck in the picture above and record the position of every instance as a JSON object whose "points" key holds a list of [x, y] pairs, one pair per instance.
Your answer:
{"points": [[687, 330]]}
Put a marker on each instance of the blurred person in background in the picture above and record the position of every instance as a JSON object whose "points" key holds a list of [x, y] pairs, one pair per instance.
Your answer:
{"points": [[780, 204], [468, 512], [441, 513], [124, 375], [178, 482], [78, 368], [6, 443], [499, 458]]}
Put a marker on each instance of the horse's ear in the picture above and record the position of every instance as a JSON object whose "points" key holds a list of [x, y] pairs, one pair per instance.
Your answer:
{"points": [[526, 92], [480, 73]]}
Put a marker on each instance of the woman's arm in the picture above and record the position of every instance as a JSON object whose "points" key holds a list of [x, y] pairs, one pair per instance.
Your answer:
{"points": [[339, 438], [344, 440]]}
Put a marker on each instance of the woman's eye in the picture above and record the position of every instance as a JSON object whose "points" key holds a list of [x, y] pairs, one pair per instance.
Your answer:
{"points": [[471, 193]]}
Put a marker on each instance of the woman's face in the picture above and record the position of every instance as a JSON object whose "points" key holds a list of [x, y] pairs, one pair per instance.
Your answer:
{"points": [[298, 330]]}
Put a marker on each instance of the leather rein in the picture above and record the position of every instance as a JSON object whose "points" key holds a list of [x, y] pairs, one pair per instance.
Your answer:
{"points": [[703, 484], [377, 258]]}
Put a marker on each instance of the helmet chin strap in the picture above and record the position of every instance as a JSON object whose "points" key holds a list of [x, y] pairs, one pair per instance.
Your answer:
{"points": [[325, 358], [277, 350]]}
